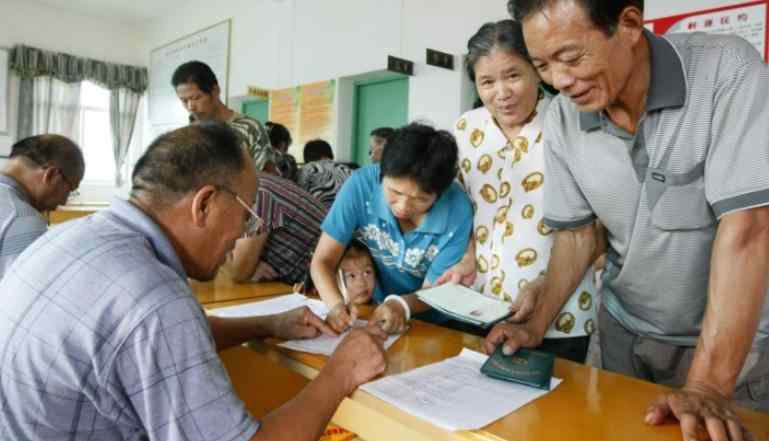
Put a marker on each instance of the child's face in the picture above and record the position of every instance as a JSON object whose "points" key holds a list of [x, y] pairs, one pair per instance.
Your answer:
{"points": [[359, 278]]}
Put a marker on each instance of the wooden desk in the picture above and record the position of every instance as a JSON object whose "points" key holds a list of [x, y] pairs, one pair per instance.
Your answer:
{"points": [[261, 383], [223, 289], [591, 404], [66, 213]]}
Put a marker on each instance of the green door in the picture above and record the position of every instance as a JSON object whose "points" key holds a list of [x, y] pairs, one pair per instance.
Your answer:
{"points": [[384, 103], [257, 109]]}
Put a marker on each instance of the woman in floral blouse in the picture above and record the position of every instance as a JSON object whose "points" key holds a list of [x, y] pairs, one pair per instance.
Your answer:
{"points": [[502, 170]]}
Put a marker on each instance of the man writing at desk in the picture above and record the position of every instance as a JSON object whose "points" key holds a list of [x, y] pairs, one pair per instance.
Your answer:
{"points": [[102, 338], [665, 141]]}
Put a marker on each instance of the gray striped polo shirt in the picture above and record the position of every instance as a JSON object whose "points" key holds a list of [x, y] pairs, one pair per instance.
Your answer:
{"points": [[701, 151], [20, 222]]}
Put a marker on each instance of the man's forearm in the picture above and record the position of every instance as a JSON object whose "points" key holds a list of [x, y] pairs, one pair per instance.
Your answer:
{"points": [[230, 332], [306, 416], [572, 254], [739, 277]]}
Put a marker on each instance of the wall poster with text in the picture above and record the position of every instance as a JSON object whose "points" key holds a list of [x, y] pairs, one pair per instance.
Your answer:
{"points": [[748, 20]]}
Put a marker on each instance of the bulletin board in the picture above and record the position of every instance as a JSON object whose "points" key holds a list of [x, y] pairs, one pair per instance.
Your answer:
{"points": [[748, 20], [211, 46], [307, 111]]}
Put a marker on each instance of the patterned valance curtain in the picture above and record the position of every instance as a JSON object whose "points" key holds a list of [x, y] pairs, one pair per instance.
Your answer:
{"points": [[30, 62]]}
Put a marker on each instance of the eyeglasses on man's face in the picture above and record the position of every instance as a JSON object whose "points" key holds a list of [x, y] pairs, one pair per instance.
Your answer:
{"points": [[253, 223]]}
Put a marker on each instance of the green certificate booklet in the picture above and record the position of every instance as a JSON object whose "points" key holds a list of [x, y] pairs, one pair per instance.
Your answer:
{"points": [[532, 368]]}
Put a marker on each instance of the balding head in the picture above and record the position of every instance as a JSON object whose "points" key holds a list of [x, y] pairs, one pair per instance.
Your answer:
{"points": [[183, 160], [52, 150], [196, 182], [49, 167]]}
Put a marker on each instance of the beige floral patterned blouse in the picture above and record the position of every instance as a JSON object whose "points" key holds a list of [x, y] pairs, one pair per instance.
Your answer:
{"points": [[505, 182]]}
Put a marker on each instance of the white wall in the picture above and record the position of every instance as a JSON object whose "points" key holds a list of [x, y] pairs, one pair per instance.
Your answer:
{"points": [[28, 22], [663, 8]]}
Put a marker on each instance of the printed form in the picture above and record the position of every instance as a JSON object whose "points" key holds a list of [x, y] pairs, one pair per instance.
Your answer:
{"points": [[453, 394]]}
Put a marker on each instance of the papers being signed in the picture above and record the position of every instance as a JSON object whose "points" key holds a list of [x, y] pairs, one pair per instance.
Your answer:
{"points": [[453, 394]]}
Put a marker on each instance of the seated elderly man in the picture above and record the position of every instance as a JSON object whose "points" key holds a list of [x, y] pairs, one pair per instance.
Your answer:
{"points": [[41, 173], [103, 338]]}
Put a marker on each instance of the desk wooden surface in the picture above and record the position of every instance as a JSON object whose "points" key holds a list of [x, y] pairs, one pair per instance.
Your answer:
{"points": [[262, 384], [223, 289], [65, 213], [591, 404]]}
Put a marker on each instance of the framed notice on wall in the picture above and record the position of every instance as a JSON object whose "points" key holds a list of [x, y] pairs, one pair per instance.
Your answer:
{"points": [[4, 73], [748, 20], [211, 46]]}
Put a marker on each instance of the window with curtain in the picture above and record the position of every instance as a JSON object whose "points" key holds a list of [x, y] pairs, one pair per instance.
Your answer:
{"points": [[95, 135], [93, 102]]}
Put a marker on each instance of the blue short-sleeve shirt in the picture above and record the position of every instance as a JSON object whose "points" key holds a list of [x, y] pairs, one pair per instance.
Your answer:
{"points": [[403, 261]]}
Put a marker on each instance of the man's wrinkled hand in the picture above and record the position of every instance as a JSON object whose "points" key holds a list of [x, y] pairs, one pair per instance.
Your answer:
{"points": [[299, 323], [358, 358], [513, 336], [525, 304], [704, 414]]}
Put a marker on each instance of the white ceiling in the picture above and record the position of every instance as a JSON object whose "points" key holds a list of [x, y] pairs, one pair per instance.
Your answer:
{"points": [[135, 11]]}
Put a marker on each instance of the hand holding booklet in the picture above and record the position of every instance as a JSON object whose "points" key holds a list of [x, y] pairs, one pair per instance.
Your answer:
{"points": [[464, 304]]}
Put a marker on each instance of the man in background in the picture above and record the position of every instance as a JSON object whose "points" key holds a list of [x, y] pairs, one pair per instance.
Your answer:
{"points": [[377, 140], [321, 176], [40, 175], [198, 90], [280, 138]]}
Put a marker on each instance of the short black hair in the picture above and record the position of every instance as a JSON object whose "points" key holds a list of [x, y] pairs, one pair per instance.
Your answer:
{"points": [[52, 150], [278, 134], [185, 159], [360, 248], [196, 72], [505, 35], [316, 150], [603, 13], [383, 132], [420, 152], [352, 164]]}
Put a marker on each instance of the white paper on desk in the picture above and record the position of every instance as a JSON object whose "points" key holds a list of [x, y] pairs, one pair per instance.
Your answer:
{"points": [[453, 394], [273, 306], [326, 345]]}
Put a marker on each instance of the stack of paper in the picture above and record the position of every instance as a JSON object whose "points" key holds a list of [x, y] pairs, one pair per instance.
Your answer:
{"points": [[464, 304], [326, 345], [453, 394], [273, 306]]}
